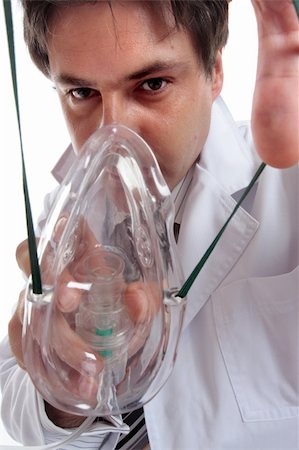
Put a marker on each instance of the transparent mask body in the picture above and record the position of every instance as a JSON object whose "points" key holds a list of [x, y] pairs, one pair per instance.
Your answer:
{"points": [[102, 337]]}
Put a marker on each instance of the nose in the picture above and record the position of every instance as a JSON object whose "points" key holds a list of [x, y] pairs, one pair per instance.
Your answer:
{"points": [[116, 109]]}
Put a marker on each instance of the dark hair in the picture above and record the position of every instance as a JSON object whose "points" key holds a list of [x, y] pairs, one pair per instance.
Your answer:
{"points": [[206, 20]]}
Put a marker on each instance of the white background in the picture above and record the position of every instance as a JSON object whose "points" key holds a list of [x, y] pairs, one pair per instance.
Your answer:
{"points": [[45, 136]]}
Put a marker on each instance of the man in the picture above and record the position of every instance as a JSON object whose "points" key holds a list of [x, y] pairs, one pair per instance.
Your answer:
{"points": [[156, 68]]}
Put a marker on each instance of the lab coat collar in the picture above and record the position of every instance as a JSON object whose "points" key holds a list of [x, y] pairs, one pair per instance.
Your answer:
{"points": [[226, 155], [64, 164]]}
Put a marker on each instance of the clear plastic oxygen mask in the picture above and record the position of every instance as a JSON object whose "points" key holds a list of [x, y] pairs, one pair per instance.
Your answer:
{"points": [[101, 339]]}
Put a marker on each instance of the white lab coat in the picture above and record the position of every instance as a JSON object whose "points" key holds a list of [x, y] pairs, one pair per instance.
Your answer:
{"points": [[235, 381]]}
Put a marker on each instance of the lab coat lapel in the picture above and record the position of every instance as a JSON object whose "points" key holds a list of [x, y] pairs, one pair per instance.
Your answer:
{"points": [[208, 205], [198, 231]]}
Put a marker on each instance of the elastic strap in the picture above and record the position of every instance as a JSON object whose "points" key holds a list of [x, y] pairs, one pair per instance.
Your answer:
{"points": [[35, 270], [296, 4]]}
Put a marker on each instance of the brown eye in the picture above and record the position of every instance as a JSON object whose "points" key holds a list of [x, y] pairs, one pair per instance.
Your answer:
{"points": [[83, 93], [154, 84]]}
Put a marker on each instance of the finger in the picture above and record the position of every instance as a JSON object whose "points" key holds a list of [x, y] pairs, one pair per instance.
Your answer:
{"points": [[55, 353], [52, 331], [137, 302], [60, 380], [142, 301], [22, 257], [81, 364], [83, 244], [275, 117], [68, 293], [71, 348]]}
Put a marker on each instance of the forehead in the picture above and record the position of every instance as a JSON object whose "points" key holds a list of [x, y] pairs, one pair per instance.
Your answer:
{"points": [[124, 19], [88, 34]]}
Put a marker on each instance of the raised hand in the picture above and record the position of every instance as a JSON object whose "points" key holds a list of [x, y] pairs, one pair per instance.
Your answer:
{"points": [[275, 112]]}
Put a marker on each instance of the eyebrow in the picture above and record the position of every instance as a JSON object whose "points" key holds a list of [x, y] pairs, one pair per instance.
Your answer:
{"points": [[69, 79], [151, 69]]}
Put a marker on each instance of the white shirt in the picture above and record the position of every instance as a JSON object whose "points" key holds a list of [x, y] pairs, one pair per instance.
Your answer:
{"points": [[235, 380]]}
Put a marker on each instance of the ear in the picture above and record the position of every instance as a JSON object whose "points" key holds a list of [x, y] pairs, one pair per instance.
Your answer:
{"points": [[217, 75]]}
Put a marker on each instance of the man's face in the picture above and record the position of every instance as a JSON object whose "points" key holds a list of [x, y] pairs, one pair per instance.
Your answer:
{"points": [[133, 69]]}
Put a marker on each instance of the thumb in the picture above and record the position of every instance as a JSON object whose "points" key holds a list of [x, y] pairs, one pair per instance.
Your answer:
{"points": [[22, 257]]}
